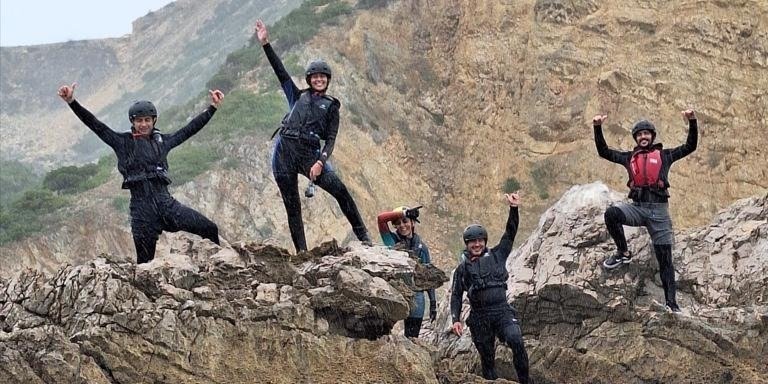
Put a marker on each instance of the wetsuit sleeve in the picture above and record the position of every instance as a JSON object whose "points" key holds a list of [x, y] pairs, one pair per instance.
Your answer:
{"points": [[427, 260], [191, 128], [332, 129], [503, 249], [101, 130], [457, 293], [292, 92], [691, 142], [383, 220], [605, 152]]}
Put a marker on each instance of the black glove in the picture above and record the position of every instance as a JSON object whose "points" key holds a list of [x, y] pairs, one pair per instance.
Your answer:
{"points": [[413, 213], [432, 311]]}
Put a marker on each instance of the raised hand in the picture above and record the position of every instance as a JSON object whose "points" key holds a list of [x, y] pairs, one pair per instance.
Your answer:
{"points": [[216, 97], [261, 32], [513, 199], [599, 119], [67, 92], [413, 213], [689, 114]]}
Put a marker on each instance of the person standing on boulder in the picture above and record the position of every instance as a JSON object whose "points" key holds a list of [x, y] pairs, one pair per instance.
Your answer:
{"points": [[404, 219], [482, 274], [313, 116], [142, 160], [648, 169]]}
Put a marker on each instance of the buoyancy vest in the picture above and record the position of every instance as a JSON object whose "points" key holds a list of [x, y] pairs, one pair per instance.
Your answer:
{"points": [[645, 170], [307, 120], [483, 273], [142, 163]]}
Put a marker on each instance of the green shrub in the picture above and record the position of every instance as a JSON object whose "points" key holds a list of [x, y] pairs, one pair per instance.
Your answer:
{"points": [[28, 214], [73, 179], [121, 203], [244, 111], [15, 178], [69, 179], [543, 175], [188, 161], [371, 4], [511, 185]]}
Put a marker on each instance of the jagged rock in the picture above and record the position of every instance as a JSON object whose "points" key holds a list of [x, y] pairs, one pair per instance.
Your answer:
{"points": [[584, 324], [233, 316]]}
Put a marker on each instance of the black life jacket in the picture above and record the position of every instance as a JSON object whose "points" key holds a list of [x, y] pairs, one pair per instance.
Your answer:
{"points": [[142, 163], [483, 273], [308, 118]]}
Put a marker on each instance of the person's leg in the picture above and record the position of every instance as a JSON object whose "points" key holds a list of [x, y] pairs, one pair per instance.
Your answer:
{"points": [[660, 227], [509, 332], [289, 191], [614, 221], [330, 182], [145, 228], [412, 326], [616, 216], [485, 342], [667, 274], [183, 218]]}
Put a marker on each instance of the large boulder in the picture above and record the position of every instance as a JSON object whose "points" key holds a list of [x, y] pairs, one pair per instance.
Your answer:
{"points": [[208, 314], [584, 324]]}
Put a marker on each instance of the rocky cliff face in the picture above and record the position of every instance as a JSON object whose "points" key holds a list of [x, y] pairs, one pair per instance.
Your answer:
{"points": [[254, 313], [241, 314], [584, 324], [168, 58], [470, 95]]}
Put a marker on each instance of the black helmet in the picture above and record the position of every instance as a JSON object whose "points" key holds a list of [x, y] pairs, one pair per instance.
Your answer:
{"points": [[474, 232], [142, 108], [644, 125], [318, 66]]}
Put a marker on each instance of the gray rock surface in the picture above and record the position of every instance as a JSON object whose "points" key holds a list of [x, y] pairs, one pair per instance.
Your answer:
{"points": [[584, 324], [208, 314]]}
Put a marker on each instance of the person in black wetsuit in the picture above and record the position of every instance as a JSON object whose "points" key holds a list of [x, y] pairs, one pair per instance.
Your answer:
{"points": [[648, 167], [142, 160], [313, 116], [482, 274]]}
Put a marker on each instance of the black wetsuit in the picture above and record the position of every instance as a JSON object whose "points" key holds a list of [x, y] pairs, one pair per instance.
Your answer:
{"points": [[485, 282], [313, 117], [143, 163]]}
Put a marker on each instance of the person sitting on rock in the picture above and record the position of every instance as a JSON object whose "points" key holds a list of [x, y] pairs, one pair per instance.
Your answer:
{"points": [[648, 168], [404, 219], [313, 116], [482, 274], [142, 160]]}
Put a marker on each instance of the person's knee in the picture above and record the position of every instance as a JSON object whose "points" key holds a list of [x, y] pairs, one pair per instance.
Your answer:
{"points": [[614, 215]]}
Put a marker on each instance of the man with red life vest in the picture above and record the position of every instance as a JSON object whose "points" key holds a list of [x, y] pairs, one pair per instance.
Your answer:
{"points": [[648, 168]]}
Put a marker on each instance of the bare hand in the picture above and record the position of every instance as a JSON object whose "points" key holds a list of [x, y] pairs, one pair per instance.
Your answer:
{"points": [[513, 199], [689, 114], [216, 97], [67, 92], [599, 119], [316, 170], [261, 32], [457, 328]]}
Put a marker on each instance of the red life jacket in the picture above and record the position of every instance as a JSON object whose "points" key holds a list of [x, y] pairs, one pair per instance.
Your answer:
{"points": [[645, 169]]}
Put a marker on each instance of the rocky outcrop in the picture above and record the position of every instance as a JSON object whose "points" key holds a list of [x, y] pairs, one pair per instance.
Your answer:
{"points": [[241, 314], [584, 324]]}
